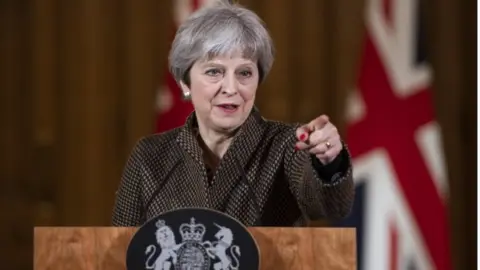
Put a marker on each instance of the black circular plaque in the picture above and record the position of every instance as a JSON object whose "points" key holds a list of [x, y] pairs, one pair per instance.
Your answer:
{"points": [[193, 239]]}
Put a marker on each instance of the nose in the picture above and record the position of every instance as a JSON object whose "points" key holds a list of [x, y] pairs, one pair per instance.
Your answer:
{"points": [[229, 84]]}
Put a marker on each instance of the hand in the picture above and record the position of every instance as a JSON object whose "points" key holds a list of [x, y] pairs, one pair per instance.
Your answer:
{"points": [[320, 138]]}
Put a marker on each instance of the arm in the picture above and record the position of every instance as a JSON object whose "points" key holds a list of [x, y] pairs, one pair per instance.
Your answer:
{"points": [[322, 191], [128, 205]]}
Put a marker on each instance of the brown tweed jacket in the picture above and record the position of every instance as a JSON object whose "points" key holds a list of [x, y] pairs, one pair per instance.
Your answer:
{"points": [[261, 180]]}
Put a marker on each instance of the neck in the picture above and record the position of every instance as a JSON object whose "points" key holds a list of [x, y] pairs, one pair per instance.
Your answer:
{"points": [[216, 142]]}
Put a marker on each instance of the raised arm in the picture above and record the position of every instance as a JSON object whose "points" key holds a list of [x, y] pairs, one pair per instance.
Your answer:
{"points": [[320, 173]]}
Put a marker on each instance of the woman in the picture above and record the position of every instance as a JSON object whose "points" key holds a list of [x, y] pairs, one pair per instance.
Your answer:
{"points": [[226, 156]]}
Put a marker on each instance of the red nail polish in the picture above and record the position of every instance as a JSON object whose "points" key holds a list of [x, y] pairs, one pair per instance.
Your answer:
{"points": [[296, 148], [303, 137]]}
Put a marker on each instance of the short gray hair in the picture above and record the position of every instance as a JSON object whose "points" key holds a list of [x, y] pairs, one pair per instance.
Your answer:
{"points": [[220, 29]]}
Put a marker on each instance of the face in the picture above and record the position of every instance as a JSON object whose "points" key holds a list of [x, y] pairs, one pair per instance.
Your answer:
{"points": [[223, 91]]}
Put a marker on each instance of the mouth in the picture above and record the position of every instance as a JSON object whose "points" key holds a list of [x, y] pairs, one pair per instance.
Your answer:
{"points": [[228, 107]]}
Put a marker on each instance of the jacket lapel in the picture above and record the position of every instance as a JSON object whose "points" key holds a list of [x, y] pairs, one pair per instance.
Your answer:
{"points": [[234, 164], [233, 168], [187, 140], [195, 174]]}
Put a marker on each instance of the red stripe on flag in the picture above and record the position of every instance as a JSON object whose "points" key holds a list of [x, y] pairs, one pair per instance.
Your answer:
{"points": [[387, 11], [178, 109], [390, 123], [195, 4]]}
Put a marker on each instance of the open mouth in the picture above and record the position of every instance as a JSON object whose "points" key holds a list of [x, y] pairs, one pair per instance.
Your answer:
{"points": [[228, 107]]}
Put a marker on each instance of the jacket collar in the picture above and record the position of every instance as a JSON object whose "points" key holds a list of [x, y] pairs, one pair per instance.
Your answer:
{"points": [[233, 168], [243, 144]]}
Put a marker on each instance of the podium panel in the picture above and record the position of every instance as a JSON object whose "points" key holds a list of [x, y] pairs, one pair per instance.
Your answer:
{"points": [[82, 248]]}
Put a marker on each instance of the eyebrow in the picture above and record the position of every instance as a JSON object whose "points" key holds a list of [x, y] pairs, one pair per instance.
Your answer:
{"points": [[213, 64]]}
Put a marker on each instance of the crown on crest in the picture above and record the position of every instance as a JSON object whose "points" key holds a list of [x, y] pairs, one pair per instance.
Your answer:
{"points": [[192, 231], [160, 223]]}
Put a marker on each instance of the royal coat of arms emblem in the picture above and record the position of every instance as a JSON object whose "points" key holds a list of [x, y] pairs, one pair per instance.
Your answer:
{"points": [[174, 245]]}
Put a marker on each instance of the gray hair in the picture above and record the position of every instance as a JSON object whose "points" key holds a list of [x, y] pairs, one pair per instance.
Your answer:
{"points": [[220, 29]]}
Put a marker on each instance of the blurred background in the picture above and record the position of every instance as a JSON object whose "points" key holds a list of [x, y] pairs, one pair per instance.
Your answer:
{"points": [[81, 81]]}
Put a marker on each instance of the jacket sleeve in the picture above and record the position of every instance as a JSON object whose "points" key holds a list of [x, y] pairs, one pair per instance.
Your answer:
{"points": [[128, 205], [321, 191]]}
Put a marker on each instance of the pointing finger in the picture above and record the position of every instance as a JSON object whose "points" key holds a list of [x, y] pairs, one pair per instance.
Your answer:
{"points": [[318, 122]]}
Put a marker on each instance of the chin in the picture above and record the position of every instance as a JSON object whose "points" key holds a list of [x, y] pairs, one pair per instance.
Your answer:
{"points": [[228, 122], [228, 125]]}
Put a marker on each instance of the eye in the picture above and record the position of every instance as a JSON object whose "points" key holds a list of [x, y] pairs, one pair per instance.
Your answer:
{"points": [[245, 73], [213, 72]]}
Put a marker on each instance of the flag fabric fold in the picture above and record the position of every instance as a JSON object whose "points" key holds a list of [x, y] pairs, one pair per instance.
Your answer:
{"points": [[400, 209]]}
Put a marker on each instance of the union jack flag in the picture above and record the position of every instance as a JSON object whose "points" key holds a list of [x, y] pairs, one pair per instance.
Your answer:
{"points": [[172, 110], [399, 210]]}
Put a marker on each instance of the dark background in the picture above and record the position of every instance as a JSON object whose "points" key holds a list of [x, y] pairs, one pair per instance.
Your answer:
{"points": [[78, 84]]}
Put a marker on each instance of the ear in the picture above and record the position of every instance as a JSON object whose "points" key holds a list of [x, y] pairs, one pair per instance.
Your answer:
{"points": [[185, 89]]}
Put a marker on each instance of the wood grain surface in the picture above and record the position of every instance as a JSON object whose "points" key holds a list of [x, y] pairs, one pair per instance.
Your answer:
{"points": [[82, 248]]}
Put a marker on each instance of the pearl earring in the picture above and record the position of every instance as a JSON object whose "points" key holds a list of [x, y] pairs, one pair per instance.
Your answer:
{"points": [[186, 95]]}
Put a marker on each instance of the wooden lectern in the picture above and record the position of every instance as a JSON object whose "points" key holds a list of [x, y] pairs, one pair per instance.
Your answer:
{"points": [[104, 248]]}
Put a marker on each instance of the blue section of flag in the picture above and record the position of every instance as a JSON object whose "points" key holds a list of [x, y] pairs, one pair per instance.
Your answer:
{"points": [[356, 219], [421, 50], [411, 265]]}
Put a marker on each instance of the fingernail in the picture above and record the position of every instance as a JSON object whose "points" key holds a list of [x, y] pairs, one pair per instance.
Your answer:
{"points": [[296, 148], [303, 137]]}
